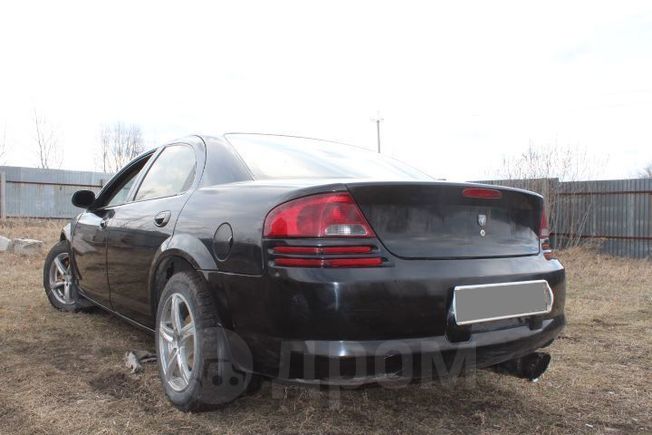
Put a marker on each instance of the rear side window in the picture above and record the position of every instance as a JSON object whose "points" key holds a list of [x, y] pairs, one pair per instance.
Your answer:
{"points": [[172, 173]]}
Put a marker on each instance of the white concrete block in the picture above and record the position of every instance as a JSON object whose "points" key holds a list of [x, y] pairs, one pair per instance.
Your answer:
{"points": [[5, 244], [27, 246]]}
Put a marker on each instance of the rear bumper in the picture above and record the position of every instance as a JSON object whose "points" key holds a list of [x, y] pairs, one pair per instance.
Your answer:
{"points": [[318, 325], [346, 362], [362, 362]]}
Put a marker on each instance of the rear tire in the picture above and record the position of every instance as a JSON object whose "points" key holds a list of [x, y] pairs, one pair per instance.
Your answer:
{"points": [[59, 280], [193, 351]]}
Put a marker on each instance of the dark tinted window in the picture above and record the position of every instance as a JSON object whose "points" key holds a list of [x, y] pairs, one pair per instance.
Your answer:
{"points": [[120, 191], [270, 156], [172, 173], [223, 164], [120, 196]]}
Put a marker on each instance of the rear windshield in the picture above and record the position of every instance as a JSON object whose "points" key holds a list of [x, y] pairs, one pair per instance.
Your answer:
{"points": [[271, 157]]}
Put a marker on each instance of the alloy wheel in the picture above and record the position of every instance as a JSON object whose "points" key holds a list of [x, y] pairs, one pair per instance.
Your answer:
{"points": [[61, 280], [177, 343]]}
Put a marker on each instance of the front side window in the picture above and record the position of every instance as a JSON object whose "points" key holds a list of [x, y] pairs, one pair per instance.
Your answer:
{"points": [[119, 194], [172, 173]]}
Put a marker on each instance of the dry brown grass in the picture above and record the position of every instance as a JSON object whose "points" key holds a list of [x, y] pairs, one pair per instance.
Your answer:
{"points": [[63, 373]]}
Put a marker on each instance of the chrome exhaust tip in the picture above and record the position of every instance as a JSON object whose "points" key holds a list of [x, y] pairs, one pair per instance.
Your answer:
{"points": [[529, 367]]}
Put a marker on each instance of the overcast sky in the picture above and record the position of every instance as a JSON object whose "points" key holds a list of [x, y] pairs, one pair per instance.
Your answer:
{"points": [[459, 84]]}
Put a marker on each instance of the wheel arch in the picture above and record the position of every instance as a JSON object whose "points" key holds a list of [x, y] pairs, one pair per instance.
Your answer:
{"points": [[182, 253]]}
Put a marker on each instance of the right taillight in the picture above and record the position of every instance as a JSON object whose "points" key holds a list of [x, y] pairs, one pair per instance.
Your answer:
{"points": [[544, 236], [319, 218]]}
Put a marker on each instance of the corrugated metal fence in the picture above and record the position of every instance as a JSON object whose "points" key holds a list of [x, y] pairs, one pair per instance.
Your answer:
{"points": [[44, 193], [615, 215]]}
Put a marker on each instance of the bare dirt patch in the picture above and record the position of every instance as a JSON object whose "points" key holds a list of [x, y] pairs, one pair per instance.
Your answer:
{"points": [[63, 373]]}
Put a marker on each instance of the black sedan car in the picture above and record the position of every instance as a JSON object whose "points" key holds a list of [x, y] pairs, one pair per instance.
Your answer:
{"points": [[310, 261]]}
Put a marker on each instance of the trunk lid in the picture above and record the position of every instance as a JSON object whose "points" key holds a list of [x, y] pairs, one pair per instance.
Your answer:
{"points": [[436, 220]]}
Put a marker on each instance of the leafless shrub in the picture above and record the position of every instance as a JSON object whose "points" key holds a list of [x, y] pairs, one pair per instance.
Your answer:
{"points": [[646, 172], [542, 169], [119, 144], [549, 161], [47, 146]]}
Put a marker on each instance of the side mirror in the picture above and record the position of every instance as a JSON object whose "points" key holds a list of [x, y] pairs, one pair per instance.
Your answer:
{"points": [[83, 198]]}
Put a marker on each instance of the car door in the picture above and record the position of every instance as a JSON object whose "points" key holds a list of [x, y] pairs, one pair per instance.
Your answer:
{"points": [[137, 229], [89, 237], [89, 252]]}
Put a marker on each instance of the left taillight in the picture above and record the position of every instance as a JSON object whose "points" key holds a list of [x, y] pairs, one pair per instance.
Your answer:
{"points": [[324, 217], [544, 236]]}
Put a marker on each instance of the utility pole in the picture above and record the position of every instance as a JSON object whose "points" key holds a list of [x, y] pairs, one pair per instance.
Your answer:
{"points": [[378, 120]]}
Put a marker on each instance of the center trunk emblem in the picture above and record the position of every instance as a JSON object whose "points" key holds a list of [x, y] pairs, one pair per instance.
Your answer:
{"points": [[482, 221]]}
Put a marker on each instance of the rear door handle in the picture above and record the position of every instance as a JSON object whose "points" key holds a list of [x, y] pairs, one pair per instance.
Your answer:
{"points": [[103, 223], [161, 219]]}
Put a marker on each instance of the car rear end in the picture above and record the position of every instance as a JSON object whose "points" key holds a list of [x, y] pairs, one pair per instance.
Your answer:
{"points": [[401, 280]]}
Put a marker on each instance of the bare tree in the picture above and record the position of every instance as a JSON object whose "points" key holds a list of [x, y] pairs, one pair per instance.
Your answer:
{"points": [[119, 144], [646, 172], [47, 146]]}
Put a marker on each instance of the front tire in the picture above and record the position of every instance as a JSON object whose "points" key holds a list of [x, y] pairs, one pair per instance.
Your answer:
{"points": [[59, 280], [193, 354]]}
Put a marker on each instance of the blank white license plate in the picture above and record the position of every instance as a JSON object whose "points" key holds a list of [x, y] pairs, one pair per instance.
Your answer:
{"points": [[486, 302]]}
